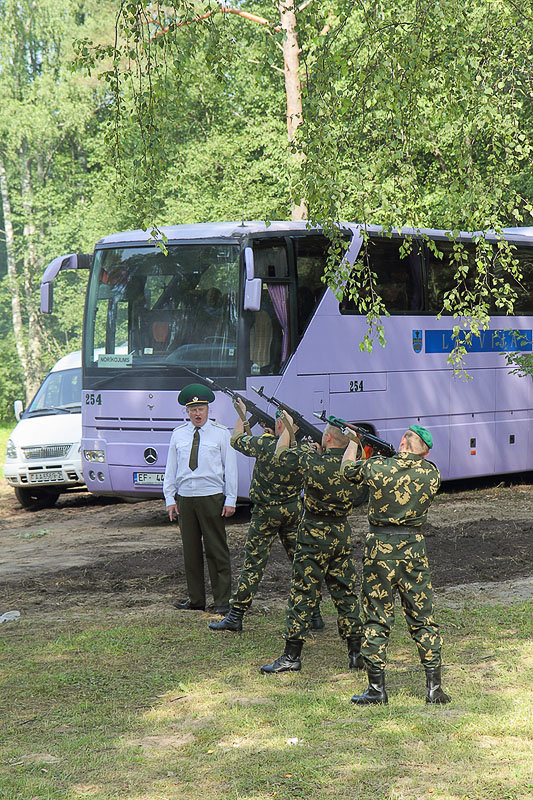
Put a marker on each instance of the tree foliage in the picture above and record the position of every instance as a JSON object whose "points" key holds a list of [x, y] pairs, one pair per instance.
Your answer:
{"points": [[413, 114]]}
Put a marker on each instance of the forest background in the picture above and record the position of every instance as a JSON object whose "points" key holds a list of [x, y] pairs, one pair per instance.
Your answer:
{"points": [[119, 115]]}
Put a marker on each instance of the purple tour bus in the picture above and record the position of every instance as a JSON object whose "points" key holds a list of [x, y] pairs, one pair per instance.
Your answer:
{"points": [[244, 303]]}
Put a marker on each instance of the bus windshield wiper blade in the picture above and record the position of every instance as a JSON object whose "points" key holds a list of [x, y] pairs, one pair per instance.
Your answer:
{"points": [[36, 412], [146, 369]]}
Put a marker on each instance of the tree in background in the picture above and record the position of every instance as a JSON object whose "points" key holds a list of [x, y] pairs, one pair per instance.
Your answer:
{"points": [[401, 114], [47, 121], [411, 115], [419, 115]]}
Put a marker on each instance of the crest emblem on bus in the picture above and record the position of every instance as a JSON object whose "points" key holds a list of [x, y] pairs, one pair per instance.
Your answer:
{"points": [[417, 341]]}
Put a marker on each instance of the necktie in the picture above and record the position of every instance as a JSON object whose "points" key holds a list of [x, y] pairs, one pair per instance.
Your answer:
{"points": [[193, 458]]}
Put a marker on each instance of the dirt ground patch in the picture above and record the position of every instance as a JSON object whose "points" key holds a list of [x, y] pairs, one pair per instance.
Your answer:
{"points": [[98, 551]]}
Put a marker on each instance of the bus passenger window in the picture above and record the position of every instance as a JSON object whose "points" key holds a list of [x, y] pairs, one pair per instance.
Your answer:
{"points": [[311, 254], [440, 276], [398, 276], [524, 290]]}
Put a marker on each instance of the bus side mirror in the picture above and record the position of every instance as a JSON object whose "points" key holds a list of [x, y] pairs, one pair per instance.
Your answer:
{"points": [[71, 261], [253, 286], [47, 298], [18, 408]]}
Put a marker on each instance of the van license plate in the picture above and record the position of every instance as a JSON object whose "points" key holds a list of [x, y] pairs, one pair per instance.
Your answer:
{"points": [[45, 477], [148, 478]]}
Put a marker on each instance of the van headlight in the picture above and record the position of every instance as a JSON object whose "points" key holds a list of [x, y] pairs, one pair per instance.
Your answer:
{"points": [[11, 450], [94, 455]]}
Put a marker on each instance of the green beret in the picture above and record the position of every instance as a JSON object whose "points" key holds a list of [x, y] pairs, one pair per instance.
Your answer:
{"points": [[195, 393], [424, 434]]}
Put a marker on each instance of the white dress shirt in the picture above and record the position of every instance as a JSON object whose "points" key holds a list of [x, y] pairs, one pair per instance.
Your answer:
{"points": [[216, 472]]}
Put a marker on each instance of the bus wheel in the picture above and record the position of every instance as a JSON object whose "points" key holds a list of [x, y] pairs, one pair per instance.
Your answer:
{"points": [[35, 499]]}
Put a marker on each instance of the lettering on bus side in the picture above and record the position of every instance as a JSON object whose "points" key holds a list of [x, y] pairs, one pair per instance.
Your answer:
{"points": [[92, 399], [356, 386]]}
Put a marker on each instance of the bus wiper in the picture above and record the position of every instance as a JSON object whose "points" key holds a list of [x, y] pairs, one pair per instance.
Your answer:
{"points": [[70, 408], [145, 369], [39, 412]]}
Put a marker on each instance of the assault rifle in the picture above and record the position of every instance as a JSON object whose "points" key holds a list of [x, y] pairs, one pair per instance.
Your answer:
{"points": [[256, 414], [378, 446], [305, 428]]}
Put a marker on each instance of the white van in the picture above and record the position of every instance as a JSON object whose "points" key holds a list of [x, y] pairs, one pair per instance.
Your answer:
{"points": [[43, 455]]}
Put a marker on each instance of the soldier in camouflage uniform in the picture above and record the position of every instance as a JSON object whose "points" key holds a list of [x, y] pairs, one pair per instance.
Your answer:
{"points": [[323, 548], [275, 491], [402, 488]]}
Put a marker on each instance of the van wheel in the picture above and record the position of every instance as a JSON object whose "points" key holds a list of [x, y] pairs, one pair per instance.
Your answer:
{"points": [[35, 499]]}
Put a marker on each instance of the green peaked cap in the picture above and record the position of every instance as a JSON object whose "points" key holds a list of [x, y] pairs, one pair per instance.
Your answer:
{"points": [[424, 434], [195, 393]]}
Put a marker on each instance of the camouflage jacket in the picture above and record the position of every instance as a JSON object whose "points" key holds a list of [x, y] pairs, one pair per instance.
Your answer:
{"points": [[402, 487], [272, 482], [325, 493]]}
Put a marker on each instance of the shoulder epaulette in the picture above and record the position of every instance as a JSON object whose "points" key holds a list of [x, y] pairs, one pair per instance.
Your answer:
{"points": [[219, 425], [183, 424]]}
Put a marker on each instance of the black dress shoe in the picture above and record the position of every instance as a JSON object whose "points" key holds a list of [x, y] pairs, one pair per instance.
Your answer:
{"points": [[186, 605], [222, 610]]}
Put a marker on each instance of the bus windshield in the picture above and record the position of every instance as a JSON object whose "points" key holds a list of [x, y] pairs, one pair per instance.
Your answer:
{"points": [[147, 309], [60, 392]]}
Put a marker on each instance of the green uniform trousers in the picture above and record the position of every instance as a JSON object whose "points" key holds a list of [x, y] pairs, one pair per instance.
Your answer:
{"points": [[397, 562], [323, 552], [266, 523], [200, 517]]}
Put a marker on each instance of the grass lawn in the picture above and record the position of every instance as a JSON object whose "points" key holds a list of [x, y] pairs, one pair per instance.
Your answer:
{"points": [[134, 704]]}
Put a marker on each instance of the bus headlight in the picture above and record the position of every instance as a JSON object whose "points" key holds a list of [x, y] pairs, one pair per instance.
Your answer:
{"points": [[11, 450], [94, 455]]}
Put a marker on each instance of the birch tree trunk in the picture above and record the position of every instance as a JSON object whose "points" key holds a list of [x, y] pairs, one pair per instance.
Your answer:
{"points": [[32, 267], [16, 313], [293, 89]]}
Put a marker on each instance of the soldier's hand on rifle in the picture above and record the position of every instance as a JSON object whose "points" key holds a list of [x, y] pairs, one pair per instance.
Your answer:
{"points": [[352, 435], [354, 451], [286, 418], [240, 408]]}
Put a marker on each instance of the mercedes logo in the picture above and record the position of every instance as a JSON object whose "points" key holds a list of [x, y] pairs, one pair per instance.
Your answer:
{"points": [[150, 455]]}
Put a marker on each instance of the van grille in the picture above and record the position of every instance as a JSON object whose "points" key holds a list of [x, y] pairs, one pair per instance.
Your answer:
{"points": [[46, 451]]}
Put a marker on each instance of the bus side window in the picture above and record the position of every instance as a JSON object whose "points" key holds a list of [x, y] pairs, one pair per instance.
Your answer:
{"points": [[524, 290], [311, 253], [398, 276]]}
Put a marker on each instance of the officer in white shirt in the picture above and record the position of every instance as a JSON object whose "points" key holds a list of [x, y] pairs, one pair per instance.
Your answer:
{"points": [[200, 489]]}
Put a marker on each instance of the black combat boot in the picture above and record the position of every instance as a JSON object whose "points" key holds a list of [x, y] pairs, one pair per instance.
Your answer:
{"points": [[375, 693], [231, 622], [434, 693], [355, 659], [289, 661], [317, 623]]}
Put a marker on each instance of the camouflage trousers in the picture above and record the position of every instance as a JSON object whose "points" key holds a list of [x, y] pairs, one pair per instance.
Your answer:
{"points": [[266, 523], [323, 552], [399, 562]]}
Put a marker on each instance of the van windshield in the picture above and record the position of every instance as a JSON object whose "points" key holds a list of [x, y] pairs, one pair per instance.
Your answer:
{"points": [[59, 393]]}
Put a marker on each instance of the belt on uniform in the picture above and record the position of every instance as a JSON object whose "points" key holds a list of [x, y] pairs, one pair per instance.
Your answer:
{"points": [[404, 531], [316, 518]]}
